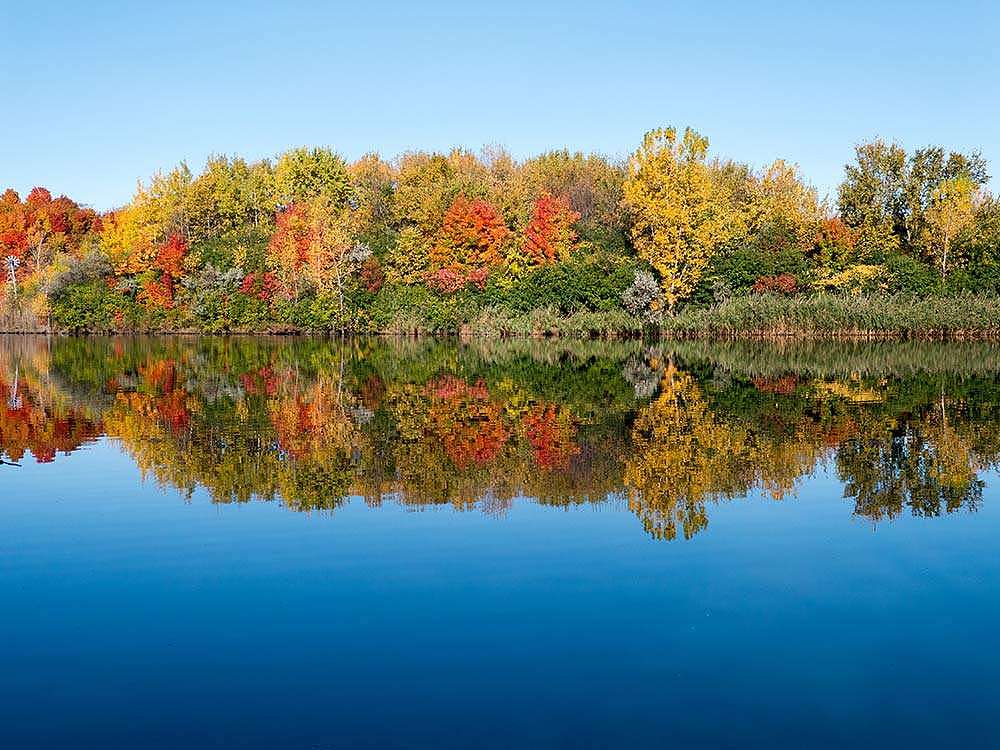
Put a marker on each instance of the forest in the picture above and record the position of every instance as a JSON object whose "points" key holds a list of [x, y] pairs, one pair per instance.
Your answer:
{"points": [[673, 240]]}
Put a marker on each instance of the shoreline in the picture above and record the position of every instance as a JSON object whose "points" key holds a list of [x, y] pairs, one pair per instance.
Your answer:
{"points": [[845, 335], [755, 317]]}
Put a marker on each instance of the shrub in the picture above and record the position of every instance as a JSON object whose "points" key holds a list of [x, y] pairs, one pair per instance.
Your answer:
{"points": [[856, 279], [736, 271], [644, 298], [583, 282], [91, 306], [93, 266], [908, 275], [783, 283]]}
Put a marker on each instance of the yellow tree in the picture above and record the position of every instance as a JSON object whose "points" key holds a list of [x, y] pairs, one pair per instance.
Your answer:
{"points": [[951, 210], [783, 207], [334, 252], [680, 216], [130, 234]]}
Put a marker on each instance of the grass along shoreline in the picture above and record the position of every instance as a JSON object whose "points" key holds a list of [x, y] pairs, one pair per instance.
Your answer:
{"points": [[963, 316]]}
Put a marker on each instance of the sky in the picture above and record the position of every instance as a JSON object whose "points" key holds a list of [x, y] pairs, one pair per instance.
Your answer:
{"points": [[97, 95]]}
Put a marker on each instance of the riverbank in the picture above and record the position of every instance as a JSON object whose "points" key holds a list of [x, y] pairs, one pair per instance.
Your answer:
{"points": [[751, 317]]}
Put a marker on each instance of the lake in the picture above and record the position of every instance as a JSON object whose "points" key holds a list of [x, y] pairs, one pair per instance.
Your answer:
{"points": [[238, 542]]}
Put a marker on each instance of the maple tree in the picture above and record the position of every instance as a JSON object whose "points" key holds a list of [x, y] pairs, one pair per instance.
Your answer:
{"points": [[288, 249], [472, 236], [169, 265], [549, 237]]}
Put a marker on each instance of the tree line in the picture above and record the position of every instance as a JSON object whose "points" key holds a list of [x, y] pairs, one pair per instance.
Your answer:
{"points": [[430, 241]]}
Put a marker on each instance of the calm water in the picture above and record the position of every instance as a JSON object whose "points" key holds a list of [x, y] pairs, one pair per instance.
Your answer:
{"points": [[263, 543]]}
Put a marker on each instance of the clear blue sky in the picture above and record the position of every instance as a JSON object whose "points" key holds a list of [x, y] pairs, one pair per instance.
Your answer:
{"points": [[99, 94]]}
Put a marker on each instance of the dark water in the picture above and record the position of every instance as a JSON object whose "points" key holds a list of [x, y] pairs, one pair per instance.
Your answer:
{"points": [[261, 543]]}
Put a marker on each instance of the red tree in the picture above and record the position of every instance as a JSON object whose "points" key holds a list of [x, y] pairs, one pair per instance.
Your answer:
{"points": [[288, 250], [549, 236], [472, 236], [169, 262]]}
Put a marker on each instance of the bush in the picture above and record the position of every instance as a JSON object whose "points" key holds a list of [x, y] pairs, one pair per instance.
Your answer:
{"points": [[91, 306], [206, 295], [736, 271], [783, 283], [644, 298], [406, 309], [93, 266], [908, 275], [583, 282]]}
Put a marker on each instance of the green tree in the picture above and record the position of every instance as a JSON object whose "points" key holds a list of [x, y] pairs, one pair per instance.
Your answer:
{"points": [[872, 198]]}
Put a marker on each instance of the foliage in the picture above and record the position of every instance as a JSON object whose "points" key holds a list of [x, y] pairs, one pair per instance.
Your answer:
{"points": [[950, 211], [889, 198], [440, 241], [303, 174], [783, 283], [680, 219], [644, 298], [89, 306], [472, 237], [549, 236], [94, 266]]}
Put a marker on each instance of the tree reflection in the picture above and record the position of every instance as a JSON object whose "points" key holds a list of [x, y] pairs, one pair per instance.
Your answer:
{"points": [[312, 422]]}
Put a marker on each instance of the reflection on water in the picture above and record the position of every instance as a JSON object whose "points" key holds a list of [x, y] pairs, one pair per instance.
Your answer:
{"points": [[668, 429]]}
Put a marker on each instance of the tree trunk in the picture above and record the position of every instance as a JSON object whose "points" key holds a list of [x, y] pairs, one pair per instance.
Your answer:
{"points": [[944, 260], [38, 254]]}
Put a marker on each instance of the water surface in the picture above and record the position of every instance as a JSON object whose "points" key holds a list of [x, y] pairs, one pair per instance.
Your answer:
{"points": [[316, 543]]}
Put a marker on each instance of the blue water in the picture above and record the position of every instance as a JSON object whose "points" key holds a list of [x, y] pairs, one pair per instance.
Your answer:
{"points": [[135, 618]]}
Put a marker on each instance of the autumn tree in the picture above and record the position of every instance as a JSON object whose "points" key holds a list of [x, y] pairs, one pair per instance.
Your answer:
{"points": [[334, 253], [783, 209], [928, 169], [168, 198], [549, 237], [834, 243], [229, 196], [303, 174], [593, 186], [426, 185], [315, 245], [950, 211], [472, 237], [679, 217], [13, 228], [373, 193], [169, 267], [41, 228], [289, 247], [157, 211], [886, 195], [40, 224]]}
